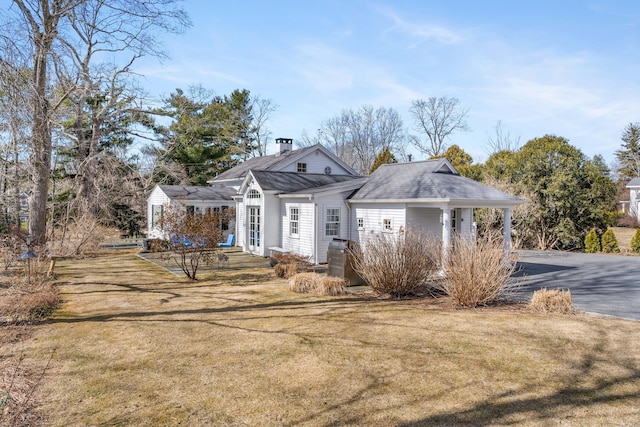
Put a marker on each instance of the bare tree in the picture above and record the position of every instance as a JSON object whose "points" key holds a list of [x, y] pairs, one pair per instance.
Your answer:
{"points": [[262, 109], [502, 141], [359, 136], [54, 33], [437, 118]]}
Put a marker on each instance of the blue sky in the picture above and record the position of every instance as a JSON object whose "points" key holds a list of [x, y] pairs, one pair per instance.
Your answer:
{"points": [[569, 68]]}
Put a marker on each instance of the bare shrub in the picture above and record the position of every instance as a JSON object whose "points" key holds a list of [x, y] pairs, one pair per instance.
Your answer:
{"points": [[553, 301], [289, 264], [195, 238], [627, 221], [83, 235], [285, 271], [304, 283], [159, 245], [477, 273], [31, 303], [12, 244], [397, 264], [331, 286]]}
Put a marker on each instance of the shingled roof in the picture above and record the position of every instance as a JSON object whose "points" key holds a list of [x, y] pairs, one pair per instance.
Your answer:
{"points": [[192, 192], [427, 181], [291, 182], [263, 163]]}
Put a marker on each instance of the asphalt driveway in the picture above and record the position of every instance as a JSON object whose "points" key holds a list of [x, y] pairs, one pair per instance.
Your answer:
{"points": [[602, 284]]}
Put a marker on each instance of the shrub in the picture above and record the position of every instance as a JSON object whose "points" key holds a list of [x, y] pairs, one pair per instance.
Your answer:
{"points": [[592, 242], [303, 282], [158, 245], [635, 242], [31, 303], [332, 286], [317, 283], [285, 270], [552, 301], [609, 242], [397, 264], [287, 265], [477, 273]]}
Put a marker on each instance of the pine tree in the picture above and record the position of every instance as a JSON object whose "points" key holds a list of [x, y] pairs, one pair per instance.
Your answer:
{"points": [[385, 157], [635, 242], [592, 242], [609, 242]]}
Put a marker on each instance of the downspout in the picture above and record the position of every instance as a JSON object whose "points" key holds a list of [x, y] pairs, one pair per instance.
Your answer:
{"points": [[315, 233], [346, 203]]}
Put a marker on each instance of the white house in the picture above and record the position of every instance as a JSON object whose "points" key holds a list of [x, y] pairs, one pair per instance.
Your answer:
{"points": [[632, 207], [197, 199], [300, 200]]}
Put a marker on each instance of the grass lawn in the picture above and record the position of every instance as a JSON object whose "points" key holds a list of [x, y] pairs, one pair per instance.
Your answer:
{"points": [[135, 345]]}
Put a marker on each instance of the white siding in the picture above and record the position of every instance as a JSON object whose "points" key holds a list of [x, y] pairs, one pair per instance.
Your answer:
{"points": [[302, 243], [271, 224], [316, 162], [427, 219], [373, 216], [157, 197]]}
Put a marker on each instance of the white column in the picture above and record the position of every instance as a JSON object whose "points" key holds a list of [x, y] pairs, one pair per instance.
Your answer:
{"points": [[507, 232], [446, 230]]}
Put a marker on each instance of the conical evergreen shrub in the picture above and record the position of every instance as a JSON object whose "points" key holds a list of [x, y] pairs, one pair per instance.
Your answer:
{"points": [[609, 242], [635, 242], [592, 242]]}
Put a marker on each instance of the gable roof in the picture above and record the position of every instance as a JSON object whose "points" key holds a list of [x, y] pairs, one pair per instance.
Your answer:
{"points": [[291, 182], [635, 182], [275, 162], [427, 181], [199, 193]]}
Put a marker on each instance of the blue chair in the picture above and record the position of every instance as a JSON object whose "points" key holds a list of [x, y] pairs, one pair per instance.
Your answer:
{"points": [[228, 243]]}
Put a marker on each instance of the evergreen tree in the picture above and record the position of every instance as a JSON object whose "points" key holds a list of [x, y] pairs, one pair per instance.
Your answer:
{"points": [[384, 158], [635, 242], [629, 155], [609, 242], [592, 242]]}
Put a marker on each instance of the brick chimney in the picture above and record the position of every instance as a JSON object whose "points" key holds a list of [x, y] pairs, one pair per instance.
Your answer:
{"points": [[283, 145]]}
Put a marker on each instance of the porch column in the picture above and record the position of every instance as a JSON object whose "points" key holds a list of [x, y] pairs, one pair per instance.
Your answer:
{"points": [[446, 230], [507, 232]]}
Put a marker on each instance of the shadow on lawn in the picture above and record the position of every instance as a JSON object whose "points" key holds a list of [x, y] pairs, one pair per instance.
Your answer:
{"points": [[583, 387], [140, 315]]}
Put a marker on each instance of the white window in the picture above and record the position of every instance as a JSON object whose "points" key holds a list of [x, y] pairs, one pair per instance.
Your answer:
{"points": [[387, 225], [156, 214], [302, 167], [454, 219], [360, 222], [294, 218], [198, 210], [253, 194], [332, 223]]}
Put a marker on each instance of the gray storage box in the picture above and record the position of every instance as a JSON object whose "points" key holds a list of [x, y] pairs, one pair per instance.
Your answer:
{"points": [[339, 262]]}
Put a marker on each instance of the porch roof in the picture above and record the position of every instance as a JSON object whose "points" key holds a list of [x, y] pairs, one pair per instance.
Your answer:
{"points": [[198, 193], [428, 182]]}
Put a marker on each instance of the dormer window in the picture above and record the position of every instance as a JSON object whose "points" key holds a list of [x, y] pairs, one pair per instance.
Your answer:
{"points": [[302, 167]]}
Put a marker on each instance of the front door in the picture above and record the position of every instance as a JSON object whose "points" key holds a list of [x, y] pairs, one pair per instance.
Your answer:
{"points": [[254, 229]]}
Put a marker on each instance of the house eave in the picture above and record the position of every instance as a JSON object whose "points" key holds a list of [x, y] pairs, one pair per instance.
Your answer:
{"points": [[445, 201]]}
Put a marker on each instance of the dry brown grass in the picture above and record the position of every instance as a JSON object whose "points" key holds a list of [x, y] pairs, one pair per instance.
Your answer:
{"points": [[332, 286], [624, 236], [320, 284], [143, 347], [553, 301]]}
